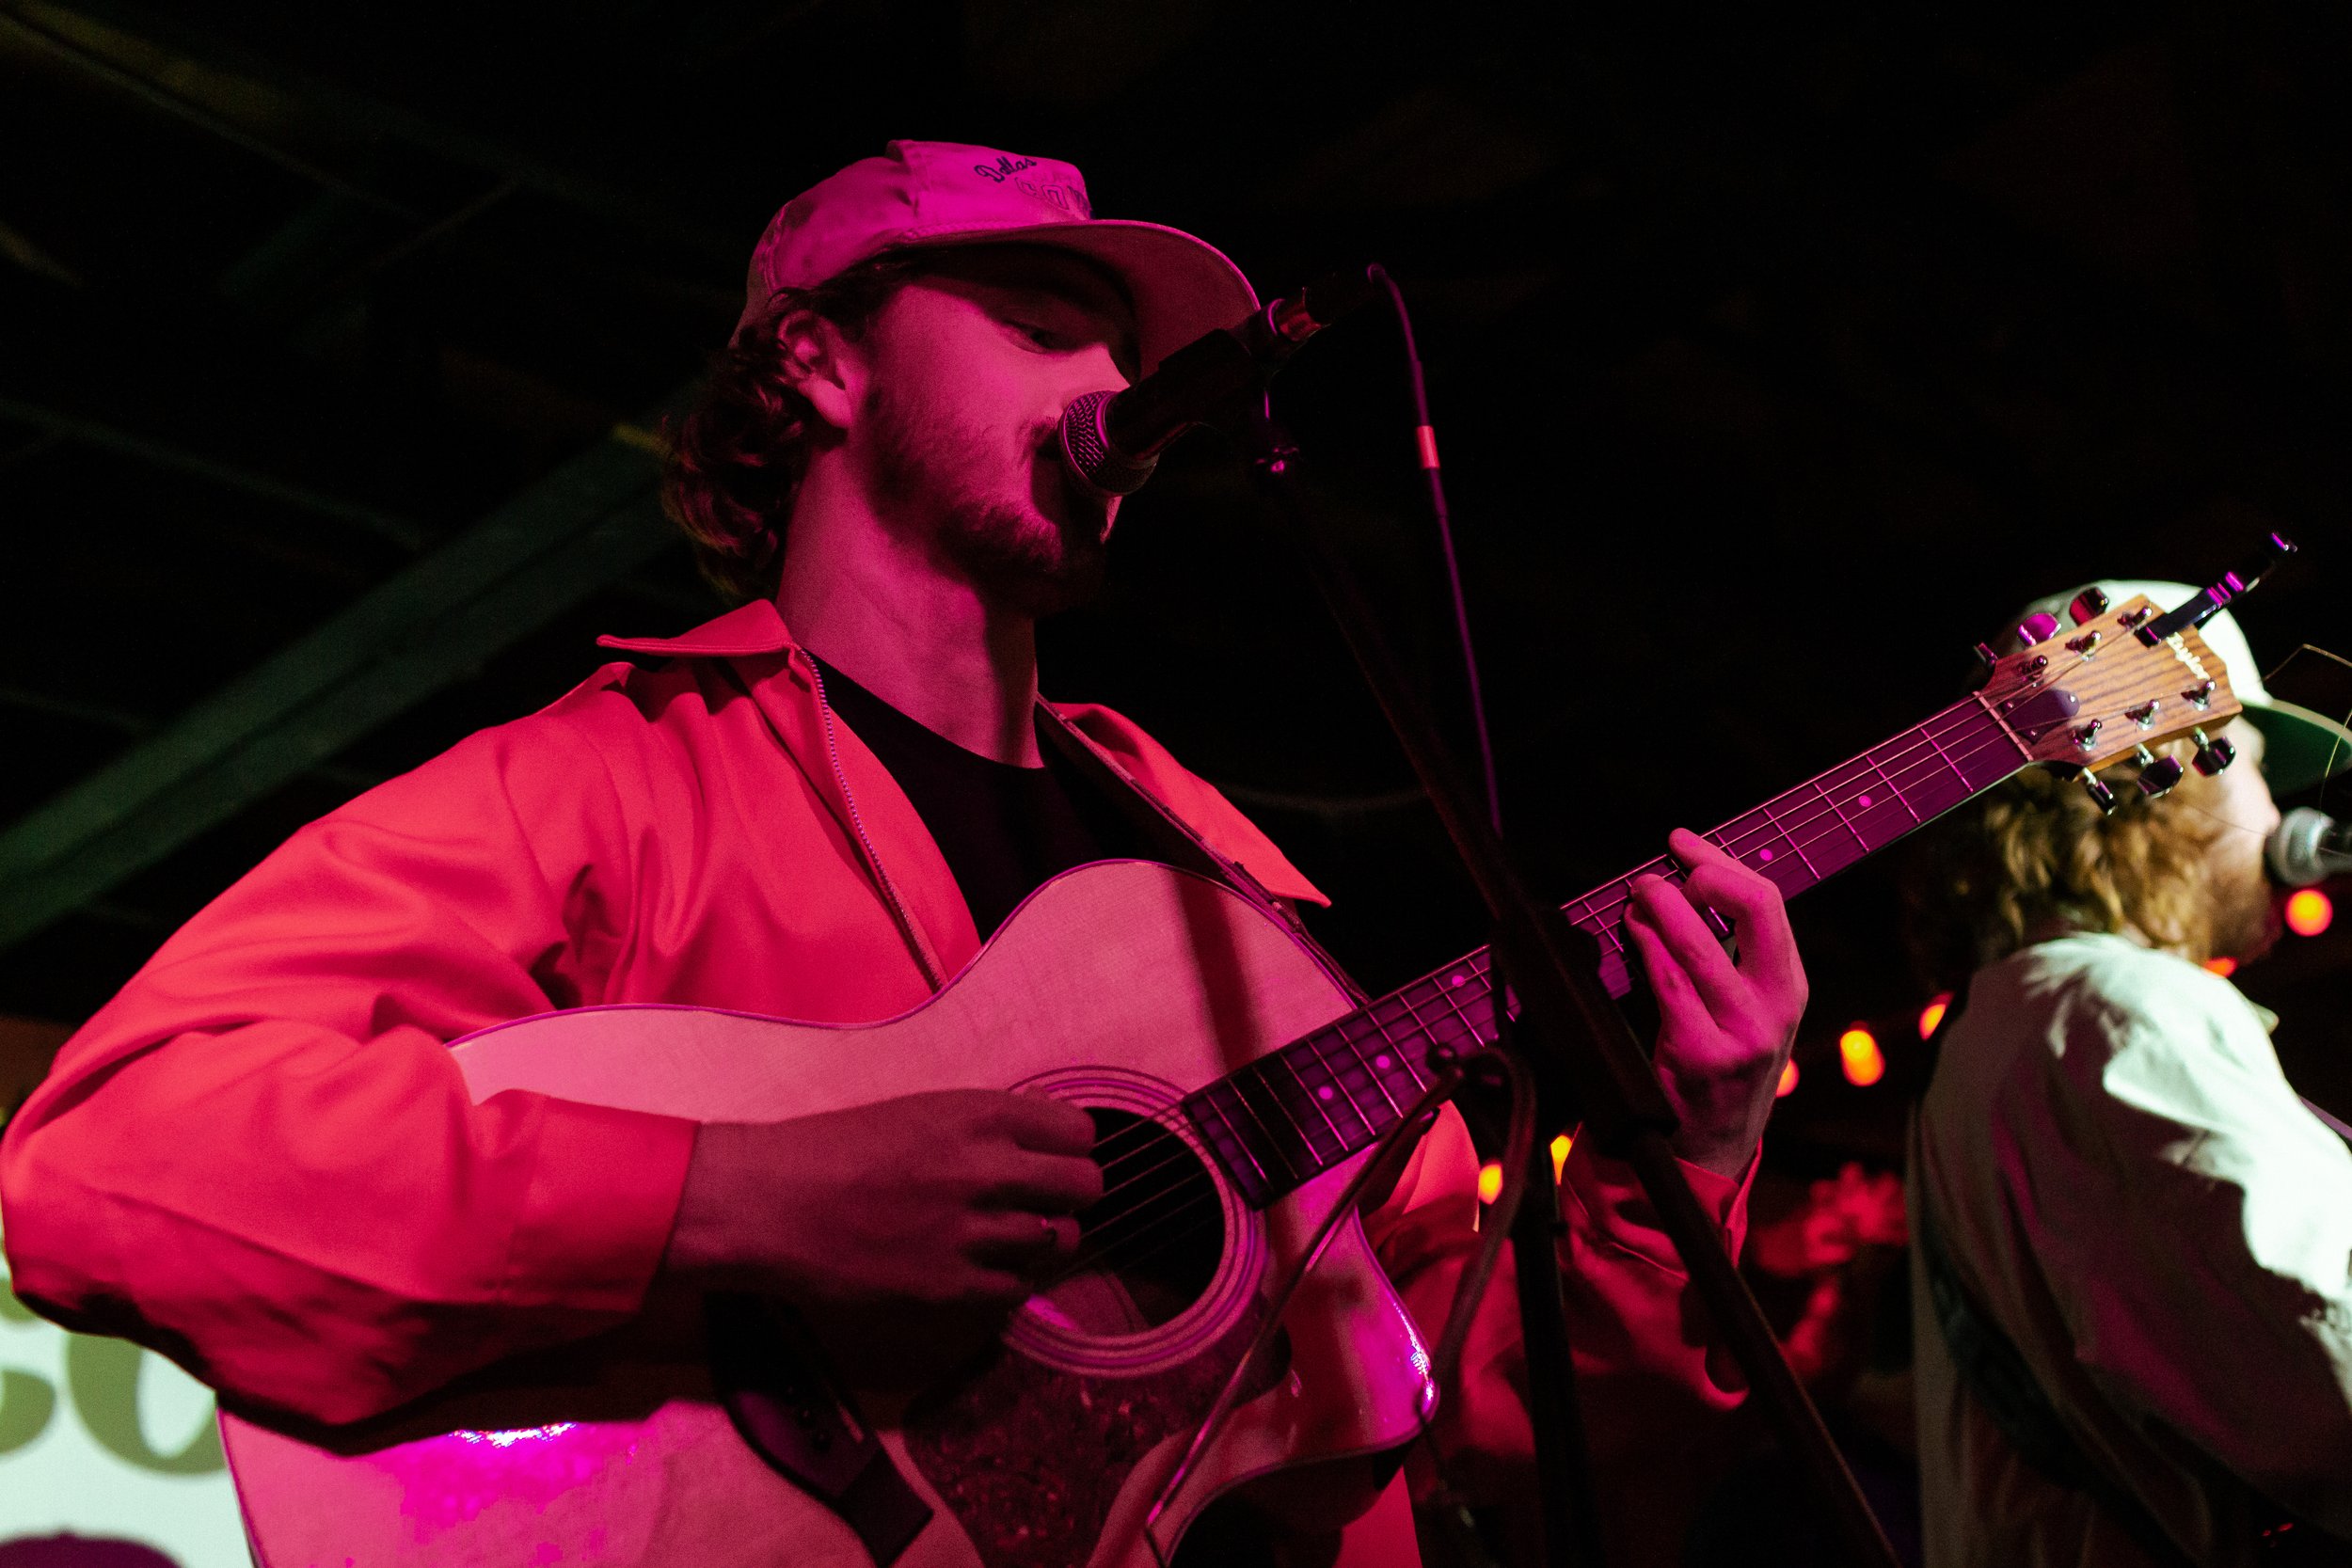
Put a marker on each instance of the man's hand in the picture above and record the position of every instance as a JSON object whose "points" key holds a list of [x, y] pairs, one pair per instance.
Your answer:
{"points": [[962, 1196], [1725, 1028]]}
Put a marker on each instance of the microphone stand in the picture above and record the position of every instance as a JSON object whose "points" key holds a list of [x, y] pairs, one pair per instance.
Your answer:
{"points": [[1582, 1057]]}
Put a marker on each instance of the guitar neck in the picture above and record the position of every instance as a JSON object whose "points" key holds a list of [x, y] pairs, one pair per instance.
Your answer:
{"points": [[1299, 1111]]}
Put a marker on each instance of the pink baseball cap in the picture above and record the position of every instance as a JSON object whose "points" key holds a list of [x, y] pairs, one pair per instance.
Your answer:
{"points": [[936, 193]]}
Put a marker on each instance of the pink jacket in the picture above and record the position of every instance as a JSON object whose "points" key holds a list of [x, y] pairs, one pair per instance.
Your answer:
{"points": [[260, 1160]]}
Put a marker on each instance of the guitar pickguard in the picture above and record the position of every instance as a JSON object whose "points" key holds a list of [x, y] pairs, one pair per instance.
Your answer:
{"points": [[1000, 1447]]}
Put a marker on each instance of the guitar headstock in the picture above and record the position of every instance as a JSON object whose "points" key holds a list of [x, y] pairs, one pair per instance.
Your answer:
{"points": [[2090, 693]]}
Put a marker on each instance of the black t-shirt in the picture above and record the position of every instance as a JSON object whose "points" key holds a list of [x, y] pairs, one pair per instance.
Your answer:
{"points": [[1005, 829]]}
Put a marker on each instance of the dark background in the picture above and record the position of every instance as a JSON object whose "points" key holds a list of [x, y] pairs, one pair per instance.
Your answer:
{"points": [[1776, 356]]}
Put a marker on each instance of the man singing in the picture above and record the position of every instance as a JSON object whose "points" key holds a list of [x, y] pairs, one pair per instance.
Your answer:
{"points": [[2111, 1177], [261, 1160]]}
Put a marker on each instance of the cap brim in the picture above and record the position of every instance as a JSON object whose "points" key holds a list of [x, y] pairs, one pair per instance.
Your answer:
{"points": [[2299, 747], [1182, 286]]}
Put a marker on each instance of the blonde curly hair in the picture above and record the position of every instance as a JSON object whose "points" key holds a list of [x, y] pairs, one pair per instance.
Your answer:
{"points": [[2035, 856]]}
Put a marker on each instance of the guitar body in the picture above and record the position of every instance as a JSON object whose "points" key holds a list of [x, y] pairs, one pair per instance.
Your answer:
{"points": [[1039, 1443]]}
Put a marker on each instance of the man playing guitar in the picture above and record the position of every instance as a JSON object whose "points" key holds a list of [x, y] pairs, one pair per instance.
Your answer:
{"points": [[260, 1159]]}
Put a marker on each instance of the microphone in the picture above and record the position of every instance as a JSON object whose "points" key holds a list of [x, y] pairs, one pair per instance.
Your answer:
{"points": [[2308, 846], [1112, 441]]}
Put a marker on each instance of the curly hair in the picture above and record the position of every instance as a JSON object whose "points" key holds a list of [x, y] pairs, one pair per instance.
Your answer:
{"points": [[2035, 854], [736, 459]]}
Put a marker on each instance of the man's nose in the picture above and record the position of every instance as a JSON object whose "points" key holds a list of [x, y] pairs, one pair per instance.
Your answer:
{"points": [[1097, 367]]}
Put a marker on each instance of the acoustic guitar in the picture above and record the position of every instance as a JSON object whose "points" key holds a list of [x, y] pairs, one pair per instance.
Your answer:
{"points": [[1235, 1084]]}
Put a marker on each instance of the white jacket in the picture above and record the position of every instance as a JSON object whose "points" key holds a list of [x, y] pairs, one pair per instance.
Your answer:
{"points": [[2124, 1182]]}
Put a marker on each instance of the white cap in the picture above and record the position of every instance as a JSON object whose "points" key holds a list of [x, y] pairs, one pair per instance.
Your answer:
{"points": [[2301, 747], [924, 194]]}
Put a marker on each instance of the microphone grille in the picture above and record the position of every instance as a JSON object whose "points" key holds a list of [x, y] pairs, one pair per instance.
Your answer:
{"points": [[2297, 850], [1086, 447]]}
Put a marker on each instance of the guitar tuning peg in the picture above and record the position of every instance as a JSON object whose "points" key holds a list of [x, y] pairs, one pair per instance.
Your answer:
{"points": [[1986, 656], [2036, 628], [2214, 756], [2157, 775], [2088, 606], [2100, 794]]}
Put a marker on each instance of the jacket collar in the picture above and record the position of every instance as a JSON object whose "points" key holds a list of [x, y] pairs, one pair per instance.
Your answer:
{"points": [[902, 860], [744, 632], [756, 630]]}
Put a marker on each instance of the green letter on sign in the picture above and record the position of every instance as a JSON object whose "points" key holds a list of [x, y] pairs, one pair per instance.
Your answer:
{"points": [[103, 1375], [27, 1401], [25, 1404]]}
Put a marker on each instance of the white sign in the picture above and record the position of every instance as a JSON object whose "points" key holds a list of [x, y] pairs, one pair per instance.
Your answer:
{"points": [[103, 1440]]}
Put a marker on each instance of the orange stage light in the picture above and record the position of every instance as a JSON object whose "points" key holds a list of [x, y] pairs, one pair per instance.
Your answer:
{"points": [[1489, 1181], [2223, 967], [1490, 1174], [1787, 1079], [2309, 911], [1858, 1051], [1932, 1014]]}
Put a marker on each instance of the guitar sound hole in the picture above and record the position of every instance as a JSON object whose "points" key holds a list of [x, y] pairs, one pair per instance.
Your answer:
{"points": [[1149, 1247]]}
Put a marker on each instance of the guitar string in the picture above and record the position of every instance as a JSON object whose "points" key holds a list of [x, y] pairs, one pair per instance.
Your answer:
{"points": [[1898, 771], [1903, 767], [1109, 1239], [1094, 1254], [1902, 780], [1894, 770], [1142, 1131], [1616, 895], [1959, 713], [1184, 1149], [1771, 827], [1306, 1044]]}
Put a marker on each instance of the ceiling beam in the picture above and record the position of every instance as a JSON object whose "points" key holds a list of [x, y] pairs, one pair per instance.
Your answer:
{"points": [[584, 526], [399, 438], [202, 76], [405, 532], [25, 27]]}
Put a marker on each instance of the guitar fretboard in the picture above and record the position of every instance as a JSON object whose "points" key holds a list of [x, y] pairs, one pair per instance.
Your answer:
{"points": [[1294, 1113]]}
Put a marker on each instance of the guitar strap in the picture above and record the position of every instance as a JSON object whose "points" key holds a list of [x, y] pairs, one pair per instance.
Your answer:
{"points": [[771, 1377]]}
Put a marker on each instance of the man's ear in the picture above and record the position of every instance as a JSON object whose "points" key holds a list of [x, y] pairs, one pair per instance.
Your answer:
{"points": [[823, 366]]}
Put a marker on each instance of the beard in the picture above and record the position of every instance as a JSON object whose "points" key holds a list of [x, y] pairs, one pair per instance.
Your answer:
{"points": [[2243, 909], [1026, 540]]}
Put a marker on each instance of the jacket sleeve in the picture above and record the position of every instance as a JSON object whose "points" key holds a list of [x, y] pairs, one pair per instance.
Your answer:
{"points": [[261, 1160], [1649, 1375], [2230, 1318]]}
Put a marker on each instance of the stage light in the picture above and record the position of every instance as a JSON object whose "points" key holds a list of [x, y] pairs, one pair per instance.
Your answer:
{"points": [[1858, 1051], [2309, 911], [1787, 1079], [1490, 1174], [1932, 1014], [2225, 967]]}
